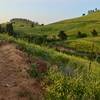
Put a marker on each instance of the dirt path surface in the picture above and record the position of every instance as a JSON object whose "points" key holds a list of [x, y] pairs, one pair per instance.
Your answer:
{"points": [[15, 83]]}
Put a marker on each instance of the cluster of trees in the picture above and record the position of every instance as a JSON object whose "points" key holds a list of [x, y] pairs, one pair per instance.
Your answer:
{"points": [[39, 39], [8, 29], [27, 21], [24, 20], [94, 10], [43, 39]]}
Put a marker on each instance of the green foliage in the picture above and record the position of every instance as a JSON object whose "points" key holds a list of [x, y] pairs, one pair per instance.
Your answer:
{"points": [[94, 32], [81, 35], [81, 86], [32, 25], [47, 54], [33, 72], [9, 28], [62, 35], [83, 45], [71, 79], [0, 28], [71, 26]]}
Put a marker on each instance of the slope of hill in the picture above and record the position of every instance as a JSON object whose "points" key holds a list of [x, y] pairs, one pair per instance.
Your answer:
{"points": [[67, 69], [16, 62], [71, 26], [50, 55]]}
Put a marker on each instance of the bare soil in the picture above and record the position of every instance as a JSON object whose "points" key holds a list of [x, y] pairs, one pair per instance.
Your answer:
{"points": [[15, 82]]}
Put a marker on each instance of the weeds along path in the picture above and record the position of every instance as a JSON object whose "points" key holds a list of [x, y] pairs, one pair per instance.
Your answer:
{"points": [[15, 83]]}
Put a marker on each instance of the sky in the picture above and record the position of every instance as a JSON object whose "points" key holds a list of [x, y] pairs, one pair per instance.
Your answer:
{"points": [[45, 11]]}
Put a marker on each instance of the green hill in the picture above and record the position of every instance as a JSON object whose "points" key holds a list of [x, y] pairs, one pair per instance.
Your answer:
{"points": [[48, 34], [72, 64], [71, 26], [65, 74]]}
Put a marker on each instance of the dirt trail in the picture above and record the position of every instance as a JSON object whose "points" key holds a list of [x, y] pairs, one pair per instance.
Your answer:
{"points": [[15, 83]]}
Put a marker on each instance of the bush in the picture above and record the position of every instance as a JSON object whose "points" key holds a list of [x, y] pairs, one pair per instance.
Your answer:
{"points": [[32, 72], [94, 33], [36, 71], [83, 14], [9, 28], [0, 28], [62, 35], [32, 25], [81, 35]]}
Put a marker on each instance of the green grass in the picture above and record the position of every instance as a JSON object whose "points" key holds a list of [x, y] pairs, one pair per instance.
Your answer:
{"points": [[80, 86], [81, 45], [84, 23], [84, 84], [71, 26], [50, 55]]}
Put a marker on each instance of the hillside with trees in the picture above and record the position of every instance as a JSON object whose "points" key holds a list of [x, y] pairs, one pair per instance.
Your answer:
{"points": [[59, 61]]}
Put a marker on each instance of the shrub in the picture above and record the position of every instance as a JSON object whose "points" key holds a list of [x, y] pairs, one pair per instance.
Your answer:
{"points": [[37, 71], [32, 72], [94, 33], [0, 28], [32, 25], [62, 35], [81, 35], [9, 28], [83, 14]]}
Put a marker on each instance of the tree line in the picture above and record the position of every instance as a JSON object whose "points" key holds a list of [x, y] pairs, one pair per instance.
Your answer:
{"points": [[39, 39], [27, 21], [8, 29], [92, 11], [24, 20]]}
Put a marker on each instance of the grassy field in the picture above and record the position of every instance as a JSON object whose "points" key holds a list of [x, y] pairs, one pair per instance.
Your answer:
{"points": [[85, 24], [71, 26], [75, 84]]}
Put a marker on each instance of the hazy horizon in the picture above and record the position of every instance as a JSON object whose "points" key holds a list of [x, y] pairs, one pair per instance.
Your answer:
{"points": [[45, 11]]}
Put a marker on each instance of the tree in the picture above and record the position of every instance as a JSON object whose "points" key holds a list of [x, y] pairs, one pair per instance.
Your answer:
{"points": [[32, 25], [94, 33], [96, 9], [83, 14], [81, 35], [0, 29], [9, 28], [62, 35], [42, 24]]}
